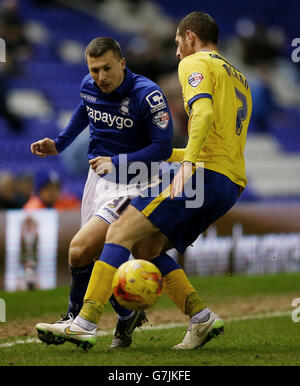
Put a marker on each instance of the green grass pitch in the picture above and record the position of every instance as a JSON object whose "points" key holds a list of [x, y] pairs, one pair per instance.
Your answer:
{"points": [[268, 340]]}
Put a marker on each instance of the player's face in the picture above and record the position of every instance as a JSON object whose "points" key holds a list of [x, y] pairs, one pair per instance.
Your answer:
{"points": [[184, 46], [107, 71]]}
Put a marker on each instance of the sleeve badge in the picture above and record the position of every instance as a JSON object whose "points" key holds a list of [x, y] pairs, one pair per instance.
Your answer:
{"points": [[161, 119], [195, 79]]}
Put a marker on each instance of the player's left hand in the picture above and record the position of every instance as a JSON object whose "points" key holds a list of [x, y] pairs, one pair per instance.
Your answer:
{"points": [[101, 165], [181, 177]]}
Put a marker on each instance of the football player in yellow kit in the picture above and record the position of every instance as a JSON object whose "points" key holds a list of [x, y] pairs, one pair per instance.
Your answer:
{"points": [[217, 99]]}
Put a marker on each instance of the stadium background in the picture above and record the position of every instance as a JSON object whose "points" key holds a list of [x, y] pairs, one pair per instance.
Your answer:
{"points": [[45, 42]]}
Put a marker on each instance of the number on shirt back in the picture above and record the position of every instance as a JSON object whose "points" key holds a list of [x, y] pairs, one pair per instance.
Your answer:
{"points": [[241, 112]]}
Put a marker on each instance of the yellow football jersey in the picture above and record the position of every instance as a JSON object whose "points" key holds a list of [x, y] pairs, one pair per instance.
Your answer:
{"points": [[207, 74]]}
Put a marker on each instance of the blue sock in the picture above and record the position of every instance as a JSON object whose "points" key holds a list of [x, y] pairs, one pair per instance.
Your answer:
{"points": [[116, 255], [120, 310], [165, 264], [78, 287]]}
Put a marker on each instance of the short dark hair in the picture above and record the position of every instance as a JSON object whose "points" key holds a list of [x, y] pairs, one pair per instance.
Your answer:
{"points": [[99, 46], [202, 24]]}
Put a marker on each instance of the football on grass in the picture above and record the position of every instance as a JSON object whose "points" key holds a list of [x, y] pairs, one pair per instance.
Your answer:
{"points": [[137, 284]]}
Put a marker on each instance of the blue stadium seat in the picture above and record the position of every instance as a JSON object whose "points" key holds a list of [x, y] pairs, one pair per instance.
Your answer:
{"points": [[59, 81], [285, 128]]}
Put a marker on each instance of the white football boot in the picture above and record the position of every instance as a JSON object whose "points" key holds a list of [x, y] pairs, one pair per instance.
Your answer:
{"points": [[45, 333], [199, 334], [70, 332]]}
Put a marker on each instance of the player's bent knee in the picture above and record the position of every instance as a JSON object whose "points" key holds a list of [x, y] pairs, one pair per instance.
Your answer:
{"points": [[75, 256], [79, 255]]}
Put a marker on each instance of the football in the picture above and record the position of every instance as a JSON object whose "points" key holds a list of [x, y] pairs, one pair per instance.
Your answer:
{"points": [[137, 284]]}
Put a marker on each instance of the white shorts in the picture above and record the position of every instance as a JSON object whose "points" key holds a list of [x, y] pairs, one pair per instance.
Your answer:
{"points": [[105, 199]]}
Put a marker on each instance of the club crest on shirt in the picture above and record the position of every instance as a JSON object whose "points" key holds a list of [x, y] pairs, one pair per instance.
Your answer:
{"points": [[195, 79], [124, 109], [161, 119]]}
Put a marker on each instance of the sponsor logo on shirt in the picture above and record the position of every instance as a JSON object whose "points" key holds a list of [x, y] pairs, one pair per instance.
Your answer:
{"points": [[156, 101], [161, 119], [195, 79], [119, 122]]}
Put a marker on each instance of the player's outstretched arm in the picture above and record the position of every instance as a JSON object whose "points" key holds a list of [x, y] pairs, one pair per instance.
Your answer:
{"points": [[44, 147]]}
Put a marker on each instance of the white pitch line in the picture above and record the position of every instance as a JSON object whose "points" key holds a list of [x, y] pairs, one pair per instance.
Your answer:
{"points": [[264, 315], [156, 327], [10, 344]]}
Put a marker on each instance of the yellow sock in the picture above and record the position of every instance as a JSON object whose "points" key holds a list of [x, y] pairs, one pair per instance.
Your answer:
{"points": [[179, 289], [193, 304], [91, 310], [98, 292]]}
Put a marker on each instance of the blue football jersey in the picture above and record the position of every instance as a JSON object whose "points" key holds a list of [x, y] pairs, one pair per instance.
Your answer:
{"points": [[134, 119]]}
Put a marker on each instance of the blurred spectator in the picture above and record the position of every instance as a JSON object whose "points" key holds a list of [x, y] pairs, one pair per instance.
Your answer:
{"points": [[262, 98], [8, 195], [13, 120], [24, 188], [260, 51], [48, 194], [17, 50], [13, 27], [254, 51], [15, 190], [131, 16], [151, 55], [12, 31], [258, 48]]}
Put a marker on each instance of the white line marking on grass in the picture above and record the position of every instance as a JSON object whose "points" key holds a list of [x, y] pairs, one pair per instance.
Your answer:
{"points": [[155, 327], [264, 315], [10, 344], [231, 319]]}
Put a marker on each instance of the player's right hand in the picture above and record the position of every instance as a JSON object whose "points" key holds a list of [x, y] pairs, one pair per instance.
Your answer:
{"points": [[182, 176], [44, 147], [101, 165]]}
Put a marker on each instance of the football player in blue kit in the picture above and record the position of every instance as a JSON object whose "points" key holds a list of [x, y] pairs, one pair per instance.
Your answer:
{"points": [[127, 114]]}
